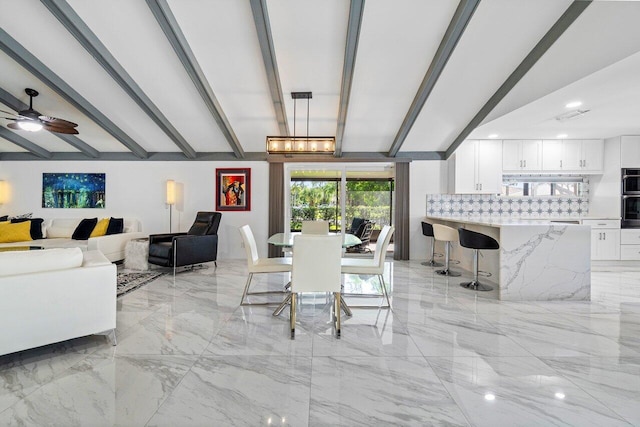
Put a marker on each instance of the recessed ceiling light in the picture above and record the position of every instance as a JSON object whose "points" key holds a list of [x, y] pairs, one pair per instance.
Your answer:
{"points": [[573, 104], [562, 135], [493, 135], [490, 396], [560, 395]]}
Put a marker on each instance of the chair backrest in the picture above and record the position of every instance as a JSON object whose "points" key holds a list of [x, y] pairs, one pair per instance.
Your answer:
{"points": [[206, 223], [355, 225], [444, 233], [249, 245], [316, 263], [427, 229], [315, 227], [384, 238], [365, 234], [475, 240]]}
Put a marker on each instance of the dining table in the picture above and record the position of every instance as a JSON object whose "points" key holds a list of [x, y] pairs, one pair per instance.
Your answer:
{"points": [[285, 240]]}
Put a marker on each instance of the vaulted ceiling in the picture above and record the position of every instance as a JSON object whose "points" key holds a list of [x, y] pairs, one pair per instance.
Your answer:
{"points": [[210, 79]]}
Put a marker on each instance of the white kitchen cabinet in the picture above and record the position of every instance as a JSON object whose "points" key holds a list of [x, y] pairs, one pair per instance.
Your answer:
{"points": [[521, 155], [630, 151], [605, 239], [630, 245], [477, 167], [573, 155]]}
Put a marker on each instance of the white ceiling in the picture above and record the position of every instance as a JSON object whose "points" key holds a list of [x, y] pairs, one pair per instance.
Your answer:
{"points": [[596, 60]]}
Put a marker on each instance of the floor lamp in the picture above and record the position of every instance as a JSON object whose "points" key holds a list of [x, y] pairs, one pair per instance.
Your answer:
{"points": [[171, 198]]}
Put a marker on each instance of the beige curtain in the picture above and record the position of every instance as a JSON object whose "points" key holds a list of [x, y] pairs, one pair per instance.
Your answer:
{"points": [[401, 222], [276, 204]]}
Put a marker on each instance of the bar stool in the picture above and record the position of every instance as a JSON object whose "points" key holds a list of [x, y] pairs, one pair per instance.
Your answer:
{"points": [[427, 230], [447, 235], [476, 241]]}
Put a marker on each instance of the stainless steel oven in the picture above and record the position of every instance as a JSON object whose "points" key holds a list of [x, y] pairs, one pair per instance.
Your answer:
{"points": [[630, 181], [630, 198]]}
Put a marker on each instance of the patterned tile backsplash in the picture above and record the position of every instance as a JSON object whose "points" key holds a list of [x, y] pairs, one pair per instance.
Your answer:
{"points": [[494, 205]]}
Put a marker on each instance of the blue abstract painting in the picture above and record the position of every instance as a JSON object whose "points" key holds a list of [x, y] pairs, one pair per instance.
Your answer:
{"points": [[73, 190]]}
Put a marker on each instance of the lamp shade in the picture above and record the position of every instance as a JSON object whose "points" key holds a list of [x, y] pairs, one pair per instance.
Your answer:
{"points": [[171, 192], [3, 192]]}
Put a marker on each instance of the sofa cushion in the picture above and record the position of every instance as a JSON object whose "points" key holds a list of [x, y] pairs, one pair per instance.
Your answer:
{"points": [[101, 228], [116, 226], [36, 226], [15, 232], [84, 229], [25, 262]]}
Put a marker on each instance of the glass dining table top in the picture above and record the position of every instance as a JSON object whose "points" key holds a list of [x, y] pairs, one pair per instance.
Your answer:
{"points": [[286, 240]]}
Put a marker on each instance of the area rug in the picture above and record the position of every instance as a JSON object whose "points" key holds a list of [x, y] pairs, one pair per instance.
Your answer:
{"points": [[128, 282]]}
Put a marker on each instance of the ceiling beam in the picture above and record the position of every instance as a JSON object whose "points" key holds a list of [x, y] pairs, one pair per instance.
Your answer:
{"points": [[25, 143], [11, 101], [457, 25], [23, 57], [171, 29], [350, 51], [87, 38], [263, 28], [568, 17]]}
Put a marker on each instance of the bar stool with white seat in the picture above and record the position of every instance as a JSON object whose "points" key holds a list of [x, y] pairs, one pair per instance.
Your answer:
{"points": [[476, 241], [427, 230], [447, 235], [260, 265]]}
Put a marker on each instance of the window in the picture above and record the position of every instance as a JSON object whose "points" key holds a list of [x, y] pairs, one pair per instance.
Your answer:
{"points": [[537, 186]]}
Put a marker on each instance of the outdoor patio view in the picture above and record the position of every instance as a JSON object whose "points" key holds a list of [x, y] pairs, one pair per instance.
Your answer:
{"points": [[319, 199]]}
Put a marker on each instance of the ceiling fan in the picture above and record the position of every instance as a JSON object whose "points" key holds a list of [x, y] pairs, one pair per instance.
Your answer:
{"points": [[32, 121]]}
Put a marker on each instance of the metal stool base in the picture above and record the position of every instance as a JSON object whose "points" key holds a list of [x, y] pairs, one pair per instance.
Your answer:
{"points": [[447, 272], [432, 264], [476, 286]]}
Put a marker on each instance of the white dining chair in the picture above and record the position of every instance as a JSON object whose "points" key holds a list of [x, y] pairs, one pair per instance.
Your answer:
{"points": [[315, 227], [316, 268], [371, 266], [257, 265]]}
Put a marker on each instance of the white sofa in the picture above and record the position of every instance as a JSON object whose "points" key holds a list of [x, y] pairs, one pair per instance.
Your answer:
{"points": [[54, 295], [58, 232]]}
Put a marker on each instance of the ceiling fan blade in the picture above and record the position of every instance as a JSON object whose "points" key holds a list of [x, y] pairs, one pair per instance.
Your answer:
{"points": [[8, 112], [54, 121], [13, 126], [59, 129]]}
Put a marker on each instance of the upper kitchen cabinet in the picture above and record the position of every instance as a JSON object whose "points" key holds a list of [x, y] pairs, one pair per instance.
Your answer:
{"points": [[521, 155], [476, 168], [630, 151], [573, 156]]}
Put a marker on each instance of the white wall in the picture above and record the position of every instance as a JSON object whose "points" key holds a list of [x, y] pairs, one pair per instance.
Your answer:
{"points": [[604, 191], [137, 190], [426, 177]]}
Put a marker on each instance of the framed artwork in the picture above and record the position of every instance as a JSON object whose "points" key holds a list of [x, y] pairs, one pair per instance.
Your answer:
{"points": [[233, 189], [73, 190]]}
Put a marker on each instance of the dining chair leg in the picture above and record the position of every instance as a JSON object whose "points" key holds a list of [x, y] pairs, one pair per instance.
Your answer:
{"points": [[384, 290], [345, 307], [246, 290], [282, 305], [336, 309], [292, 316]]}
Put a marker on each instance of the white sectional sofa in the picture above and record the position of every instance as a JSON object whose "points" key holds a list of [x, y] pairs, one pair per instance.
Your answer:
{"points": [[54, 295], [58, 232]]}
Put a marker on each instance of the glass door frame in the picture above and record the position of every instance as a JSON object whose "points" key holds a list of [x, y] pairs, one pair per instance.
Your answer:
{"points": [[342, 168]]}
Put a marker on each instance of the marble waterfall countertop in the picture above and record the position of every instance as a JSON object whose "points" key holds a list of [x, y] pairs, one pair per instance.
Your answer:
{"points": [[538, 259], [496, 221]]}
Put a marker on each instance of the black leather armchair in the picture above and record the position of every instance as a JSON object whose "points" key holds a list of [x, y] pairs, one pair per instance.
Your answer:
{"points": [[198, 245]]}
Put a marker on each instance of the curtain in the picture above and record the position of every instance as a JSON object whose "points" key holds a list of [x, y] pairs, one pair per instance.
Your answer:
{"points": [[401, 222], [276, 205]]}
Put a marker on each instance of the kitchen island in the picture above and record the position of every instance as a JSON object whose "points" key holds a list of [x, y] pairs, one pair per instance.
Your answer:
{"points": [[538, 260]]}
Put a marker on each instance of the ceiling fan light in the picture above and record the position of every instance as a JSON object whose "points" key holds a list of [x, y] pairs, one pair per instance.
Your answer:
{"points": [[30, 126]]}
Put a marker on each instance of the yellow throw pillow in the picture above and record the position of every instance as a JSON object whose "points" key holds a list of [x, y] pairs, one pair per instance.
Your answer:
{"points": [[15, 232], [101, 228]]}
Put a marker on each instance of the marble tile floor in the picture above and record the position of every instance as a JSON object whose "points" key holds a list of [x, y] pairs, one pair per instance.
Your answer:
{"points": [[188, 355]]}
